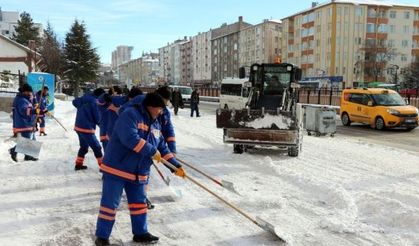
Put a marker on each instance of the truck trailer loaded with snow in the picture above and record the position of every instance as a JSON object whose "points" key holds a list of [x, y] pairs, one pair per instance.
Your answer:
{"points": [[270, 116]]}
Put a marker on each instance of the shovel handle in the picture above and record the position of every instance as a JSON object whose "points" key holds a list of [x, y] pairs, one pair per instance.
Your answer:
{"points": [[161, 174], [168, 164], [199, 171]]}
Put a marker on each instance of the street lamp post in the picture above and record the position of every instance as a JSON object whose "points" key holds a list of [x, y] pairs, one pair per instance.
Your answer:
{"points": [[395, 75]]}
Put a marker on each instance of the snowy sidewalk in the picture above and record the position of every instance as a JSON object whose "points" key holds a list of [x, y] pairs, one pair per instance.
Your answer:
{"points": [[339, 191]]}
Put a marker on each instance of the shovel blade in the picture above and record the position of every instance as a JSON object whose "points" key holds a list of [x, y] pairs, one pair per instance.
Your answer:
{"points": [[229, 186], [269, 228]]}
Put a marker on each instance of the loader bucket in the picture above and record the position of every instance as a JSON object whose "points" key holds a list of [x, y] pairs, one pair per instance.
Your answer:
{"points": [[255, 119]]}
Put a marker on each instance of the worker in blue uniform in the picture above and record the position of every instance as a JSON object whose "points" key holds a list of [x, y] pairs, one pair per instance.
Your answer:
{"points": [[136, 141]]}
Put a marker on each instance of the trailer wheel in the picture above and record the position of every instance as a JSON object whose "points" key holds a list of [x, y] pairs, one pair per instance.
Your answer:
{"points": [[293, 151], [238, 148]]}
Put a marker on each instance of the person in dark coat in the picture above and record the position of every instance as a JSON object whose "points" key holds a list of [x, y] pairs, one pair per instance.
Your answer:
{"points": [[87, 118], [24, 117], [135, 143], [177, 100], [195, 102], [43, 102]]}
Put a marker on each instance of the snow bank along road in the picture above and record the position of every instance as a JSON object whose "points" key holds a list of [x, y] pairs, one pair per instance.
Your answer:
{"points": [[339, 191]]}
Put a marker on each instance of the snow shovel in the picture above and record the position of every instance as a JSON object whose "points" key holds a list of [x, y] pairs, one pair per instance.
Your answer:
{"points": [[28, 146], [257, 221], [225, 184], [59, 123], [178, 193]]}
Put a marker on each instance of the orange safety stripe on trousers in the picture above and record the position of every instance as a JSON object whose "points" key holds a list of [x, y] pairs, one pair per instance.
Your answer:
{"points": [[137, 212], [117, 172], [168, 156], [137, 205], [106, 217], [15, 130], [108, 210], [139, 146], [142, 126], [78, 129], [170, 139]]}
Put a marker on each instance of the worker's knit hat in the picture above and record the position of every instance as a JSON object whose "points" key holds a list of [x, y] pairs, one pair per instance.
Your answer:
{"points": [[154, 100], [26, 87]]}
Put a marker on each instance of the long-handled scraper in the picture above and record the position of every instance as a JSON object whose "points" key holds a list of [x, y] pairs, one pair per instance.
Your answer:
{"points": [[223, 183], [257, 221]]}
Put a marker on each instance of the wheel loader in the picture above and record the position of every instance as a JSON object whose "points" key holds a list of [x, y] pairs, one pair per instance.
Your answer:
{"points": [[270, 117]]}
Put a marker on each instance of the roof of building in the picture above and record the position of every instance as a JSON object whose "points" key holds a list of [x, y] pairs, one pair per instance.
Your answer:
{"points": [[355, 2], [23, 47]]}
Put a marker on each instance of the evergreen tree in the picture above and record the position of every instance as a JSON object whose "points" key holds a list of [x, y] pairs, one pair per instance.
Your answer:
{"points": [[26, 30], [81, 60], [51, 52]]}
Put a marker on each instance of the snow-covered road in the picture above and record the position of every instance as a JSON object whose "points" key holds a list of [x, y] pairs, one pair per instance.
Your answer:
{"points": [[339, 191]]}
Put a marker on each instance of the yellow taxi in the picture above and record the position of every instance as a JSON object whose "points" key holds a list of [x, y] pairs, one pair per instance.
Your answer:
{"points": [[379, 108]]}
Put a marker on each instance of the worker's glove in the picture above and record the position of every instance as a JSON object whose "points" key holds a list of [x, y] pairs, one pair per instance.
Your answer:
{"points": [[157, 156], [38, 111], [180, 172]]}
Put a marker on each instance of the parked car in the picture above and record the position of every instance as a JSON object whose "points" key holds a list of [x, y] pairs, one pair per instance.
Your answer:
{"points": [[379, 108], [186, 92]]}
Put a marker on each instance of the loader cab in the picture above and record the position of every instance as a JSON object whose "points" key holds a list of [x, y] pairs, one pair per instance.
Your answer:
{"points": [[272, 82]]}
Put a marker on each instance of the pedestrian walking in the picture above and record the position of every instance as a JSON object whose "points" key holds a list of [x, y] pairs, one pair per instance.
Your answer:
{"points": [[195, 102], [135, 143], [87, 118], [177, 100], [42, 101], [24, 117]]}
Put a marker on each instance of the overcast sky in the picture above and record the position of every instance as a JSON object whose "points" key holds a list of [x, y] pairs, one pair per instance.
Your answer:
{"points": [[150, 24]]}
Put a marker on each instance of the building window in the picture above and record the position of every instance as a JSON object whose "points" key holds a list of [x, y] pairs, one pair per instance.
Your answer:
{"points": [[392, 28], [407, 15], [405, 43], [382, 28], [403, 57], [406, 29], [370, 27], [359, 11], [390, 43], [393, 14]]}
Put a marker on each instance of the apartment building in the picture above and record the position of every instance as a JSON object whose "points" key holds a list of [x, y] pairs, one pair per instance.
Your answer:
{"points": [[352, 41], [121, 55], [8, 21], [260, 43], [171, 62], [140, 71], [225, 50], [201, 58], [186, 59]]}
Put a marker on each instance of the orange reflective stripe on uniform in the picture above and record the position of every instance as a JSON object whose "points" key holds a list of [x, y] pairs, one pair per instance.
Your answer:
{"points": [[137, 212], [78, 129], [117, 172], [168, 156], [106, 217], [137, 205], [142, 177], [22, 129], [139, 146], [170, 139], [108, 210], [142, 126]]}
